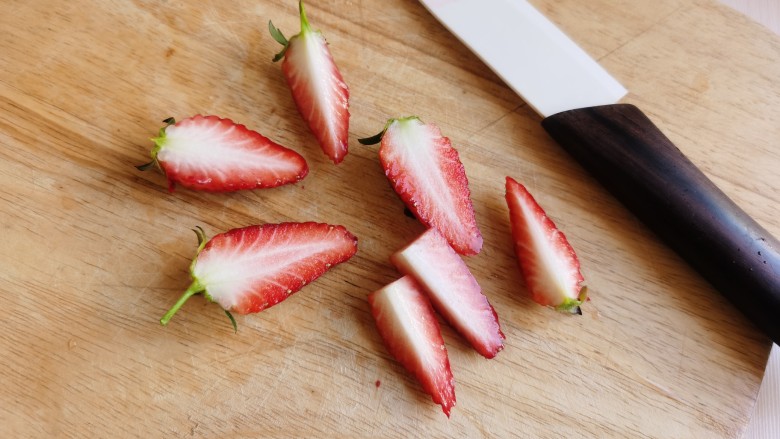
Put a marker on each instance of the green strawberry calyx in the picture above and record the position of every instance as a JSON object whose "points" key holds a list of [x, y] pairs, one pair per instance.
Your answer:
{"points": [[573, 305], [280, 38], [195, 287], [159, 142], [376, 138]]}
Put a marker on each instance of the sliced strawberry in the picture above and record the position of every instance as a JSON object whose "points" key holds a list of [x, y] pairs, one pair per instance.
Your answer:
{"points": [[548, 263], [405, 321], [250, 269], [427, 174], [212, 154], [453, 290], [319, 91]]}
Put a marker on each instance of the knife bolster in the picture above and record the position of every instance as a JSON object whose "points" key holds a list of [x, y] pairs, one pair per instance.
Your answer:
{"points": [[644, 170]]}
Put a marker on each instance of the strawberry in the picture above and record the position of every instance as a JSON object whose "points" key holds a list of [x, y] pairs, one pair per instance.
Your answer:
{"points": [[406, 323], [319, 91], [546, 259], [212, 154], [453, 290], [250, 269], [426, 172]]}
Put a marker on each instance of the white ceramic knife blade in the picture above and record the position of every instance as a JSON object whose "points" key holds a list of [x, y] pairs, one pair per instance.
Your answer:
{"points": [[530, 54]]}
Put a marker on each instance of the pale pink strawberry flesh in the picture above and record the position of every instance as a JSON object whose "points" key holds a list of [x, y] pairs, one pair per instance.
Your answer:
{"points": [[548, 262], [319, 91], [453, 290], [213, 154], [250, 269], [426, 172], [408, 327]]}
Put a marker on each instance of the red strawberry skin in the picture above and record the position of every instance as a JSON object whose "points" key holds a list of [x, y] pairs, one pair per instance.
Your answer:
{"points": [[318, 89], [426, 172], [549, 265], [213, 154], [453, 290], [250, 269], [408, 327]]}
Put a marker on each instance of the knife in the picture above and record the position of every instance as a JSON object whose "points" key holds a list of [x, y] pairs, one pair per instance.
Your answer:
{"points": [[622, 148]]}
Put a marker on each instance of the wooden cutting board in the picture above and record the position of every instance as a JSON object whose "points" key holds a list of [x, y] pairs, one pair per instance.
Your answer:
{"points": [[94, 251]]}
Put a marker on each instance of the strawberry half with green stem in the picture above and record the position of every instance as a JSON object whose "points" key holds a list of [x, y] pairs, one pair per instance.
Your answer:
{"points": [[408, 327], [453, 290], [426, 172], [317, 87], [213, 154], [249, 269], [546, 259]]}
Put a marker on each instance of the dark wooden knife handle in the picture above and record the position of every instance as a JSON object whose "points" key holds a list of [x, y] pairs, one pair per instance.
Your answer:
{"points": [[630, 156]]}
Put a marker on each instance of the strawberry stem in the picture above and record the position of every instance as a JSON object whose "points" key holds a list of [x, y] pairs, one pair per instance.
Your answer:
{"points": [[279, 36], [304, 21], [194, 288]]}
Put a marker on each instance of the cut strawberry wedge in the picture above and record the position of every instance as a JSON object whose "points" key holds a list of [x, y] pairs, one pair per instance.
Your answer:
{"points": [[212, 154], [317, 87], [407, 325], [548, 262], [427, 174], [250, 269], [453, 290]]}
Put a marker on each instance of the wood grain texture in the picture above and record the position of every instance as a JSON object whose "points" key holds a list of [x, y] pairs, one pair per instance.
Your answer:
{"points": [[94, 251], [766, 12]]}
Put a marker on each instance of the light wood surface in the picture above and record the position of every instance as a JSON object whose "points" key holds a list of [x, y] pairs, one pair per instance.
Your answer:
{"points": [[95, 251], [765, 419], [766, 12]]}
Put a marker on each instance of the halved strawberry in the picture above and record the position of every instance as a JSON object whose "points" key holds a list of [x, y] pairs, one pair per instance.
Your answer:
{"points": [[406, 322], [453, 290], [250, 269], [319, 91], [212, 154], [548, 262], [427, 174]]}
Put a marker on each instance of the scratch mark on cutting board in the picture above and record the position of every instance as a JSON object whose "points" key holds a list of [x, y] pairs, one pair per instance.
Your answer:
{"points": [[281, 377], [685, 338], [644, 31], [212, 20], [496, 121]]}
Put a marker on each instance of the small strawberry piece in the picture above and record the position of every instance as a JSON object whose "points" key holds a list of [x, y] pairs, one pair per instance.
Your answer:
{"points": [[453, 290], [426, 172], [317, 87], [212, 154], [407, 325], [250, 269], [548, 263]]}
